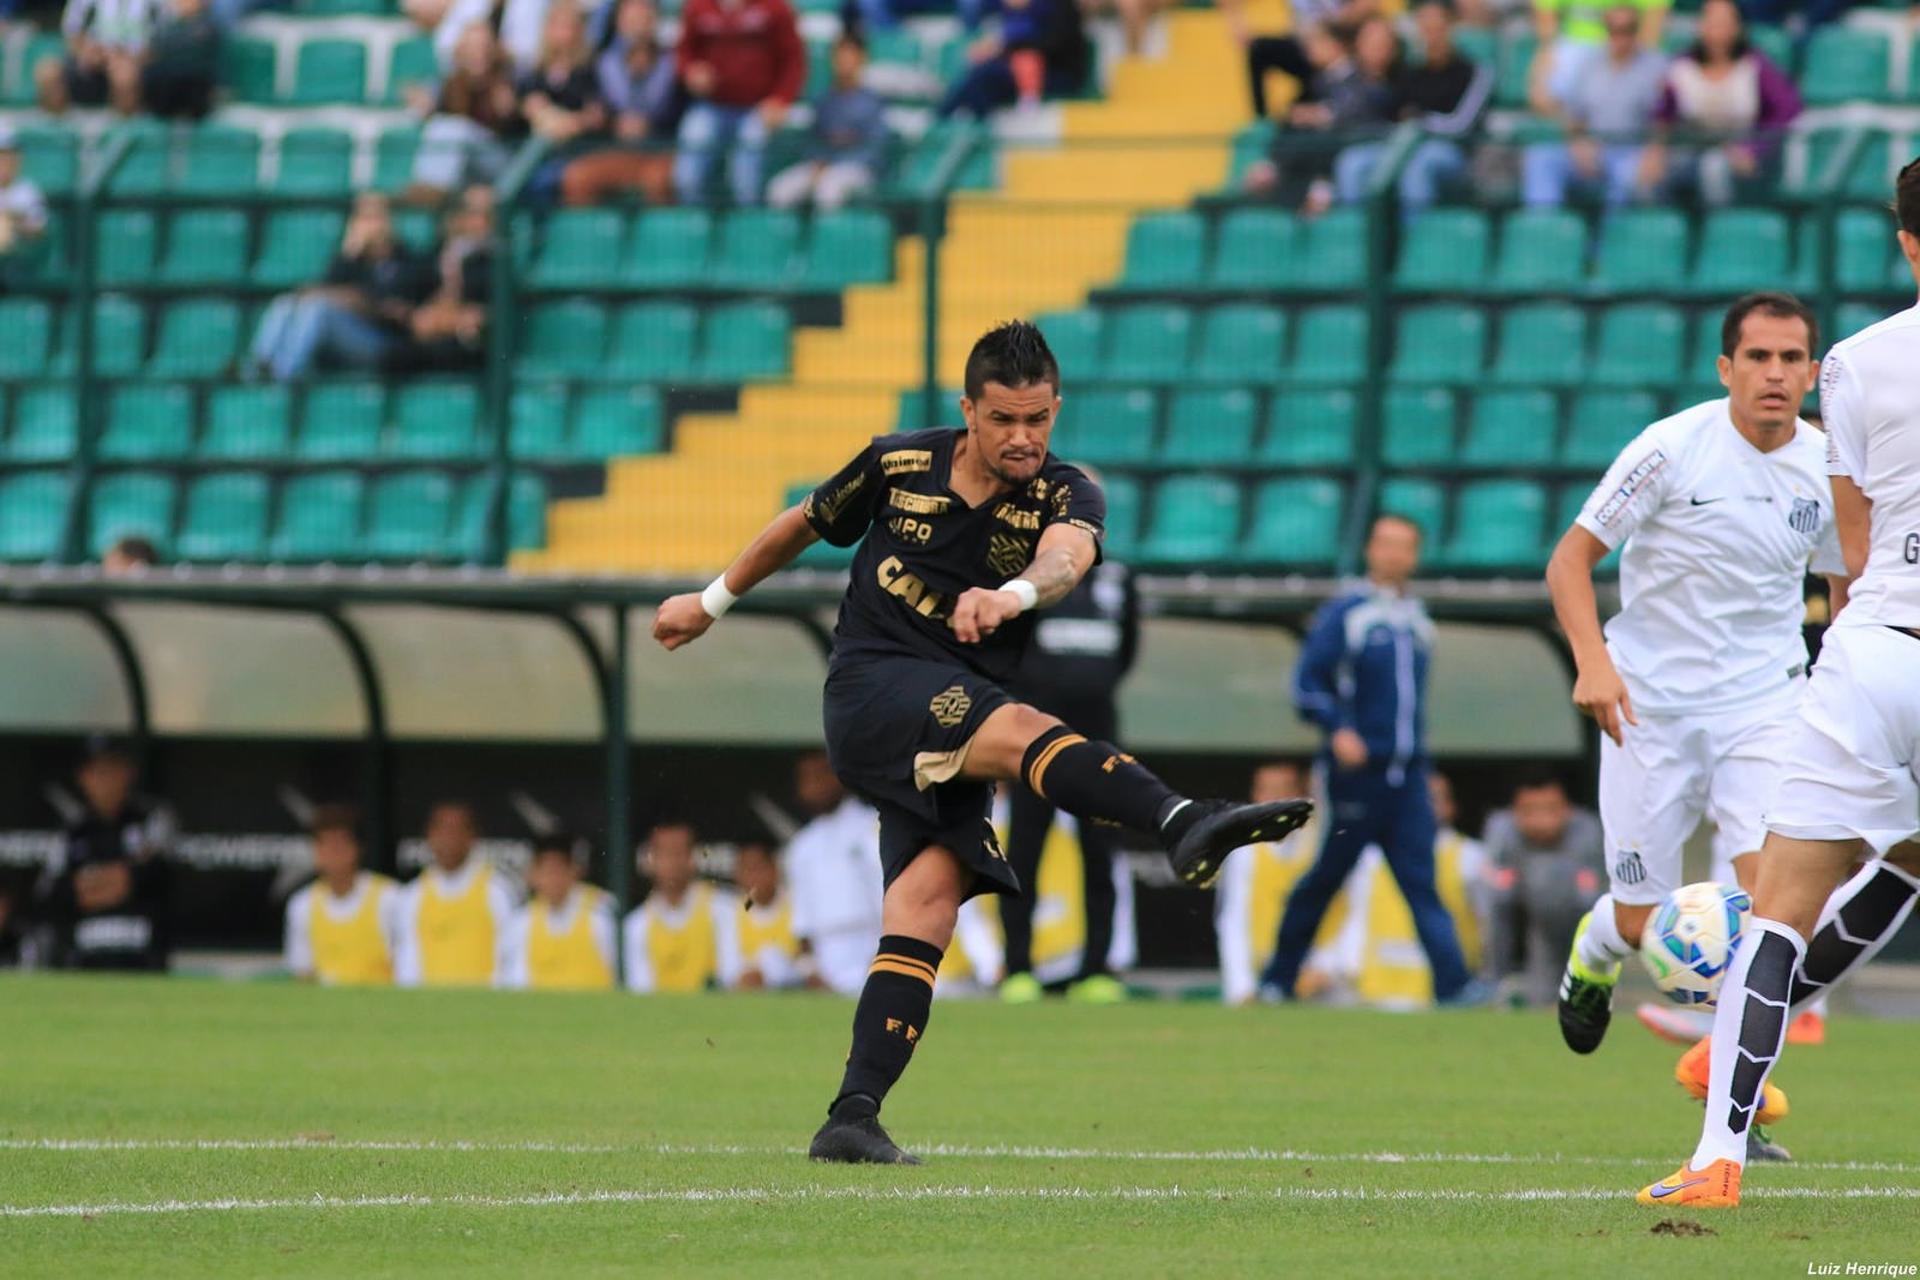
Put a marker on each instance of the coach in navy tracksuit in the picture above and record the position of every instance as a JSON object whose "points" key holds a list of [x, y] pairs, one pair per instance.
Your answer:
{"points": [[1363, 679]]}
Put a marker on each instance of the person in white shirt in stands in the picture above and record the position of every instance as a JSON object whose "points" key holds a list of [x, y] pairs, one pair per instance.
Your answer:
{"points": [[454, 914], [562, 939], [685, 936], [341, 928], [23, 207], [834, 877], [1849, 788]]}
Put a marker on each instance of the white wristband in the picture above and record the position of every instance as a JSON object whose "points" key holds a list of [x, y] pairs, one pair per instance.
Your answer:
{"points": [[1024, 591], [716, 599]]}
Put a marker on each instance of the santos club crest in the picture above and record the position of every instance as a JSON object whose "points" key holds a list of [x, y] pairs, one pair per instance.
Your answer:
{"points": [[1805, 516]]}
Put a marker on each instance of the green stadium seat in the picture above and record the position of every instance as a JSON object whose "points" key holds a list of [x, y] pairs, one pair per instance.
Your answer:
{"points": [[917, 414], [119, 337], [526, 514], [1331, 345], [1075, 337], [33, 514], [1516, 57], [246, 423], [205, 247], [1196, 520], [537, 422], [1601, 424], [329, 71], [1417, 426], [319, 517], [1542, 344], [1210, 428], [18, 90], [128, 240], [296, 245], [1242, 343], [51, 157], [1148, 343], [1868, 176], [1541, 251], [1864, 257], [756, 248], [410, 516], [1417, 499], [1741, 250], [438, 418], [29, 328], [1642, 251], [1255, 249], [1498, 524], [743, 340], [1165, 251], [146, 169], [578, 248], [1439, 344], [221, 161], [393, 154], [341, 421], [1844, 64], [247, 67], [653, 340], [851, 246], [563, 339], [413, 63], [1296, 524], [46, 425], [1122, 538], [225, 517], [616, 422], [127, 504], [148, 422], [669, 247], [1108, 427], [1251, 144], [1330, 252], [1310, 428], [198, 338], [1445, 251], [1640, 345], [1705, 348], [1852, 317], [1510, 428], [315, 162]]}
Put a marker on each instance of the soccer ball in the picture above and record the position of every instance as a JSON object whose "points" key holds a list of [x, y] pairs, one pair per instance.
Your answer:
{"points": [[1690, 941]]}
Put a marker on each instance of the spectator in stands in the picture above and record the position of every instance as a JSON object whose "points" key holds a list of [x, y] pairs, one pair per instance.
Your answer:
{"points": [[23, 207], [685, 936], [562, 939], [1353, 92], [183, 63], [769, 951], [342, 927], [357, 316], [834, 875], [468, 123], [1572, 35], [520, 24], [447, 331], [1293, 53], [743, 64], [130, 553], [644, 96], [453, 915], [847, 146], [1730, 105], [105, 892], [1547, 859], [1606, 118], [1041, 49], [106, 48], [1447, 93], [561, 97]]}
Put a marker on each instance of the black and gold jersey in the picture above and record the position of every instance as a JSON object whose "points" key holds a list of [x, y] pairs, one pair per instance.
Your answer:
{"points": [[923, 546]]}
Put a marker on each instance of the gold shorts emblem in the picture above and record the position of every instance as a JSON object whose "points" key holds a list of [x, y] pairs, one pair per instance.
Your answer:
{"points": [[950, 706]]}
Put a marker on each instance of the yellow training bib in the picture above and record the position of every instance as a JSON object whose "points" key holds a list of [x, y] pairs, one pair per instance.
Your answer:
{"points": [[351, 951], [569, 960], [456, 933]]}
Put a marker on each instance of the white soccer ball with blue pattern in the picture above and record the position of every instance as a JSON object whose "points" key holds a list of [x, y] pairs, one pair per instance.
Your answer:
{"points": [[1691, 939]]}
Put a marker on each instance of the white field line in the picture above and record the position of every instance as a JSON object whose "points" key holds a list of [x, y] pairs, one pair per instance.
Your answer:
{"points": [[724, 1195], [1254, 1155]]}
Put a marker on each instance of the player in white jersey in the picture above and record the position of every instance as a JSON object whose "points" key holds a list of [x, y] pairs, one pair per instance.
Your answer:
{"points": [[1851, 789]]}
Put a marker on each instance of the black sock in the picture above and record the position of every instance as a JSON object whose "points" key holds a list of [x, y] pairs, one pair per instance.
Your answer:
{"points": [[888, 1022], [1864, 920], [1096, 780], [1763, 1021]]}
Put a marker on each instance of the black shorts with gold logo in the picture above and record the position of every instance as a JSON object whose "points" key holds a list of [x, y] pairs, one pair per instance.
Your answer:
{"points": [[897, 735]]}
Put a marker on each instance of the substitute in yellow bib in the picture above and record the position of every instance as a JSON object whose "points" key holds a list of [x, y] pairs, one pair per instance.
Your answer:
{"points": [[685, 936], [769, 949], [340, 928], [562, 940], [454, 915]]}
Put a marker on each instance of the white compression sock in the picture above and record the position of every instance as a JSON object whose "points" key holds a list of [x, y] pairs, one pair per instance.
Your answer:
{"points": [[1749, 1027], [1859, 919], [1601, 946]]}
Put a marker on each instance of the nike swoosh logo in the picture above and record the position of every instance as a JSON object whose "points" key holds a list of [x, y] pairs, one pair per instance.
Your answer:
{"points": [[1662, 1191], [1704, 502]]}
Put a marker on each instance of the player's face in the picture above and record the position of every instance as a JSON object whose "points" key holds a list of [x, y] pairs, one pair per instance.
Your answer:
{"points": [[450, 835], [335, 855], [670, 858], [1276, 782], [1010, 428], [106, 783], [1393, 551], [552, 877], [815, 785], [1441, 792], [1540, 814], [756, 874], [1770, 371]]}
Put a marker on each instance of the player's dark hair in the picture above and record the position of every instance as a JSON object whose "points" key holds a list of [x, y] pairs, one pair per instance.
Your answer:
{"points": [[1538, 779], [334, 818], [760, 847], [853, 36], [137, 549], [557, 842], [1906, 197], [1398, 517], [1783, 305], [1014, 354]]}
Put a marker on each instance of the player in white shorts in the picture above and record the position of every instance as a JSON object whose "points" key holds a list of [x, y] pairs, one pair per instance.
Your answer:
{"points": [[1850, 788]]}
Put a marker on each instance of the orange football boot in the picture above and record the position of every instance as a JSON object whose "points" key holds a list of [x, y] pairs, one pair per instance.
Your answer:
{"points": [[1715, 1187], [1691, 1072]]}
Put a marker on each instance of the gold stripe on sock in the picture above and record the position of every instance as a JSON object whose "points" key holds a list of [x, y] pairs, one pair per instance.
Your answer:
{"points": [[930, 966], [904, 967], [1039, 770]]}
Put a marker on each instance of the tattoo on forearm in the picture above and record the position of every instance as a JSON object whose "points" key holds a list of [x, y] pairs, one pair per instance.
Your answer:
{"points": [[1053, 574]]}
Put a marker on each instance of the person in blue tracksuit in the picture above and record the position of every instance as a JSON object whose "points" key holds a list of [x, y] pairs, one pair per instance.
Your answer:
{"points": [[1362, 679]]}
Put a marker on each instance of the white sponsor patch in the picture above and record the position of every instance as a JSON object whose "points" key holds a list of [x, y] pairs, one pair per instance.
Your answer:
{"points": [[1644, 470]]}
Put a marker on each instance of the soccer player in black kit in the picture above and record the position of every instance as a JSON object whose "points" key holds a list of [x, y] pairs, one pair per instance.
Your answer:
{"points": [[963, 534]]}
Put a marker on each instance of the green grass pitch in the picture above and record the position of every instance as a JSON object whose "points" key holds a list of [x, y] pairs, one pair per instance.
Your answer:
{"points": [[198, 1129]]}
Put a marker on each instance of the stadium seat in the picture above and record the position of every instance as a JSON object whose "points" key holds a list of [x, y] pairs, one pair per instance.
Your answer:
{"points": [[248, 67], [1516, 58], [1498, 524], [1641, 251], [1439, 344], [1122, 539], [1165, 251], [1208, 428], [1330, 252], [1196, 520], [1148, 343], [1331, 345], [410, 515], [851, 246], [1542, 344], [578, 248], [1255, 250], [319, 517], [743, 340], [1242, 343], [1445, 250], [1864, 258], [296, 245], [1108, 427], [220, 161], [393, 155], [198, 338], [917, 414], [413, 63], [1075, 337], [563, 339], [1704, 348], [669, 247], [247, 423], [46, 425], [1417, 426], [18, 90], [1541, 251], [119, 337], [438, 418], [653, 340], [1510, 428], [1741, 250], [341, 421], [329, 71], [146, 168], [51, 157], [1417, 499], [33, 513], [1852, 317], [1309, 428], [526, 514], [1844, 64], [148, 422], [315, 162], [128, 239], [225, 517], [537, 422], [1600, 425], [128, 504], [613, 422], [28, 326], [205, 247], [1640, 345], [1296, 524], [756, 248]]}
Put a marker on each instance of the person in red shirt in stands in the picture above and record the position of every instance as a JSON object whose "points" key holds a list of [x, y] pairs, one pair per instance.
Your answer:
{"points": [[743, 65]]}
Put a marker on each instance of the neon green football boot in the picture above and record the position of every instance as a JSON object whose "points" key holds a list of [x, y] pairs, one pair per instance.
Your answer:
{"points": [[1586, 998]]}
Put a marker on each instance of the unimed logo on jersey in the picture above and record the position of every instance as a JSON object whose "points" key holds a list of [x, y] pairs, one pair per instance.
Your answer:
{"points": [[1647, 467], [1628, 869]]}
